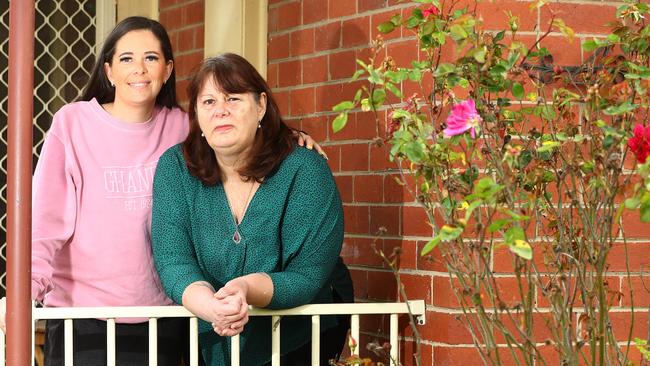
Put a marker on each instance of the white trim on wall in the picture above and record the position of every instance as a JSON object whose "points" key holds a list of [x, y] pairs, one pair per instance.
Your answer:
{"points": [[105, 21], [238, 26], [145, 8]]}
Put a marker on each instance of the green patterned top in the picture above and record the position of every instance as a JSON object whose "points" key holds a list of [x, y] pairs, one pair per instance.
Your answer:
{"points": [[292, 230]]}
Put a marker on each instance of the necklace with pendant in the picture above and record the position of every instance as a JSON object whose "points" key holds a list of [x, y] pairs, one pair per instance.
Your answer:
{"points": [[236, 236]]}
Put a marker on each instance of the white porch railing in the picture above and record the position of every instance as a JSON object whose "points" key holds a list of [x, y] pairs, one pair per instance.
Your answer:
{"points": [[416, 308]]}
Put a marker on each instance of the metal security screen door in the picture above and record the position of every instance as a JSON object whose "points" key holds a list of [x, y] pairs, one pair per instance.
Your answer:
{"points": [[64, 49]]}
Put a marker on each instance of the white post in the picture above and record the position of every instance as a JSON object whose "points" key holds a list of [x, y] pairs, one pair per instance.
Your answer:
{"points": [[2, 348], [354, 331], [194, 341], [153, 342], [315, 340], [394, 345], [67, 326], [275, 340], [234, 350], [110, 342]]}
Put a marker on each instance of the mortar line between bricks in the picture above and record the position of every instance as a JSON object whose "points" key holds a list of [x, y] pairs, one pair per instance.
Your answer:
{"points": [[186, 27], [544, 310], [440, 274], [370, 13], [635, 241], [188, 52], [543, 237]]}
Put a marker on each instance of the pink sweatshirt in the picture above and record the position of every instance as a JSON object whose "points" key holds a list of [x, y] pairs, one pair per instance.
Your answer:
{"points": [[92, 207]]}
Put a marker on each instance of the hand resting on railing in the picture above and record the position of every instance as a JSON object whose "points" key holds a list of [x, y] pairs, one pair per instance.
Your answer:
{"points": [[227, 309]]}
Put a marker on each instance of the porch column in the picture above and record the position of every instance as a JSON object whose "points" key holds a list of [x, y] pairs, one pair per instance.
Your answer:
{"points": [[238, 26], [19, 195]]}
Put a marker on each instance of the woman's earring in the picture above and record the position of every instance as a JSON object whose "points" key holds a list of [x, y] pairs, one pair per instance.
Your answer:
{"points": [[202, 135], [112, 84], [259, 124]]}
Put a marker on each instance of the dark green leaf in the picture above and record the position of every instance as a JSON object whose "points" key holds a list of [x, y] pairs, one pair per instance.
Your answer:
{"points": [[386, 27], [517, 90]]}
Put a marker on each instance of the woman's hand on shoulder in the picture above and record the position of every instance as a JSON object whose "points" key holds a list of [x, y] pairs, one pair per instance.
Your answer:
{"points": [[307, 141]]}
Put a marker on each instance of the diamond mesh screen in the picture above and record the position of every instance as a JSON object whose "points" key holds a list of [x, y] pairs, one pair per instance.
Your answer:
{"points": [[63, 59]]}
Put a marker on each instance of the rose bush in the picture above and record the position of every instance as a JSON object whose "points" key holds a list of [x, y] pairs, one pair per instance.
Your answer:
{"points": [[507, 152]]}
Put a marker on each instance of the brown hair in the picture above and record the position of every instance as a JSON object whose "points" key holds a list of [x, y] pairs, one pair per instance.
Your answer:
{"points": [[273, 141], [100, 87]]}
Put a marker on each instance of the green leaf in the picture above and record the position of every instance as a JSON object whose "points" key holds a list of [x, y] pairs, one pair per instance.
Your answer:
{"points": [[626, 107], [645, 212], [378, 97], [479, 55], [343, 106], [386, 27], [590, 45], [471, 208], [397, 77], [457, 32], [514, 233], [365, 105], [548, 146], [524, 158], [339, 122], [357, 74], [413, 21], [400, 113], [393, 89], [522, 249], [357, 96], [498, 225], [448, 233], [415, 75], [428, 28], [444, 69], [517, 90], [632, 203], [428, 247], [375, 77]]}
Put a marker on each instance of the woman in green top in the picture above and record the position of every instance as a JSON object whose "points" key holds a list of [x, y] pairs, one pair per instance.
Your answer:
{"points": [[280, 244]]}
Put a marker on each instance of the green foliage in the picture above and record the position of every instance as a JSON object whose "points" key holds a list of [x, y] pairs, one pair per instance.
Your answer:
{"points": [[542, 176]]}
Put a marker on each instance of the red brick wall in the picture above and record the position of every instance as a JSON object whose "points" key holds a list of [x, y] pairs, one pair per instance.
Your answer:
{"points": [[311, 56], [184, 21]]}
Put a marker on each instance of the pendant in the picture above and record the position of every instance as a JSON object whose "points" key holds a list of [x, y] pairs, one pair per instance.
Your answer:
{"points": [[236, 237]]}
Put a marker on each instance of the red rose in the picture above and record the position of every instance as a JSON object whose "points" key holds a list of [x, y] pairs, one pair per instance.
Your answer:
{"points": [[640, 143]]}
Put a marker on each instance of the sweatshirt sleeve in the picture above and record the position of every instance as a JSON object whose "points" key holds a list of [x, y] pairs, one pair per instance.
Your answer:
{"points": [[312, 235], [54, 210], [173, 252]]}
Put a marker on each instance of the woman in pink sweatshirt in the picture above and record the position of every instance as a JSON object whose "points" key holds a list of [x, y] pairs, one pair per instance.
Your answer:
{"points": [[92, 192]]}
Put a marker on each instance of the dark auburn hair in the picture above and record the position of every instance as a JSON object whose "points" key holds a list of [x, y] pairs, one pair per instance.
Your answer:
{"points": [[99, 86], [273, 142]]}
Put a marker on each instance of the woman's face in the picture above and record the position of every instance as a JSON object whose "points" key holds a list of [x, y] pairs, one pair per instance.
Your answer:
{"points": [[138, 69], [228, 121]]}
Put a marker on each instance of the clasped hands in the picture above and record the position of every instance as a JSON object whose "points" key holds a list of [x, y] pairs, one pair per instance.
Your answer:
{"points": [[229, 309]]}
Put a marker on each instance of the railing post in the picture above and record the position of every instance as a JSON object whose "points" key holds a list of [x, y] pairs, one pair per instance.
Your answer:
{"points": [[275, 340], [19, 196]]}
